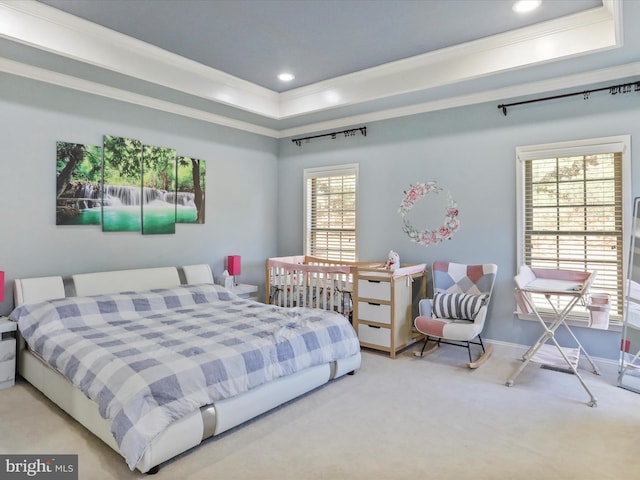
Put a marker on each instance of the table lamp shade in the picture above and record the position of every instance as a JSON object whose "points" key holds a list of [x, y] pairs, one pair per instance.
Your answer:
{"points": [[233, 264], [1, 286]]}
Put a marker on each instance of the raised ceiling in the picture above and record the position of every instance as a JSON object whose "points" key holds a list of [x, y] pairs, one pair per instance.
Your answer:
{"points": [[316, 40], [354, 60]]}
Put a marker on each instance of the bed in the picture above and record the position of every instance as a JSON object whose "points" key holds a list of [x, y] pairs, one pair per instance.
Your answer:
{"points": [[131, 325]]}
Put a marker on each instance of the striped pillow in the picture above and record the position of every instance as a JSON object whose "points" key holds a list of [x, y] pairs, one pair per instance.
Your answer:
{"points": [[460, 306]]}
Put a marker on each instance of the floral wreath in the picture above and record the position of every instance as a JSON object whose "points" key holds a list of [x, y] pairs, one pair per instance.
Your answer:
{"points": [[428, 237]]}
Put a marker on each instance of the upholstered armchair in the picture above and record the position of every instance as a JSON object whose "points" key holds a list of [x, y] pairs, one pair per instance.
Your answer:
{"points": [[457, 312]]}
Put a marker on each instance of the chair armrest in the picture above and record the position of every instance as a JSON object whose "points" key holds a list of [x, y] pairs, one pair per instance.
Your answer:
{"points": [[481, 316], [425, 307]]}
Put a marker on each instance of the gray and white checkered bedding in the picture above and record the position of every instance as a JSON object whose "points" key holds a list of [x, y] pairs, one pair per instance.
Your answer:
{"points": [[149, 358]]}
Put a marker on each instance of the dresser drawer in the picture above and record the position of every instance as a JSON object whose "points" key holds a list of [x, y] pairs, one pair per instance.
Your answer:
{"points": [[374, 312], [374, 289], [374, 335]]}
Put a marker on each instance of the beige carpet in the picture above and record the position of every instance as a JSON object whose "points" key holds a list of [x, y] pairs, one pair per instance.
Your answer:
{"points": [[407, 418]]}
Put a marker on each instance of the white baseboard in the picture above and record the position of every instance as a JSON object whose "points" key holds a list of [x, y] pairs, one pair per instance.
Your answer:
{"points": [[517, 350]]}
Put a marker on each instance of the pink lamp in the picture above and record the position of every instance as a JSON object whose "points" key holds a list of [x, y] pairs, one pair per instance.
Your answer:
{"points": [[233, 265]]}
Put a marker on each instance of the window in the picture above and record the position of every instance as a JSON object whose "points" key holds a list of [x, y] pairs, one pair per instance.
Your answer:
{"points": [[573, 212], [330, 212]]}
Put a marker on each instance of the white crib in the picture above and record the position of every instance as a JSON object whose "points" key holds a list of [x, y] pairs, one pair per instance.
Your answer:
{"points": [[303, 281]]}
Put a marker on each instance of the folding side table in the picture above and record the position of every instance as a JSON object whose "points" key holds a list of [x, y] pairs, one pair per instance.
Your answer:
{"points": [[574, 286]]}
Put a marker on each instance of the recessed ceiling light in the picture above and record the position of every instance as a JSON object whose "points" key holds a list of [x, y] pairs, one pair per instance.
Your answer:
{"points": [[286, 77], [523, 6]]}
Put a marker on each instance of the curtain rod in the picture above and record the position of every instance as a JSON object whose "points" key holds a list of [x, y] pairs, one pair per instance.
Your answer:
{"points": [[613, 90], [347, 133]]}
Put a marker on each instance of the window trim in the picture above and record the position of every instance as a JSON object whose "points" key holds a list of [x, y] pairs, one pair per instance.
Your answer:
{"points": [[328, 171], [621, 144]]}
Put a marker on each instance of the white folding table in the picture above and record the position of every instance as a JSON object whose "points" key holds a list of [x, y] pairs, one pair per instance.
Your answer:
{"points": [[570, 284]]}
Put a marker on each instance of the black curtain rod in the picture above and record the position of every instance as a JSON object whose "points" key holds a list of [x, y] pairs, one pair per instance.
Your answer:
{"points": [[347, 133], [613, 90]]}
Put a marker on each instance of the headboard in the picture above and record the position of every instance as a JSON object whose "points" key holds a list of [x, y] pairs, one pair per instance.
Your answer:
{"points": [[29, 290]]}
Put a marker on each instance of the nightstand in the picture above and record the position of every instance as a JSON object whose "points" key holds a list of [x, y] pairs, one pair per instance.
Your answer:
{"points": [[245, 290], [7, 352]]}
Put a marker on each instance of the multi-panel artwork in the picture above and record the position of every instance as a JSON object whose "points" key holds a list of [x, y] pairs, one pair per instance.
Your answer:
{"points": [[127, 186]]}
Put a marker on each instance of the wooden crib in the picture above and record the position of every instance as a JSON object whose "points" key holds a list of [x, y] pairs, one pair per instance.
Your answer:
{"points": [[303, 281]]}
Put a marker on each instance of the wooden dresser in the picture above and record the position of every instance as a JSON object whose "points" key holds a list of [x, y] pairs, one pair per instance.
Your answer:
{"points": [[383, 306]]}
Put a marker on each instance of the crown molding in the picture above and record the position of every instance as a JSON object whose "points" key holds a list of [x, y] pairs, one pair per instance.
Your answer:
{"points": [[94, 88], [532, 88], [493, 95]]}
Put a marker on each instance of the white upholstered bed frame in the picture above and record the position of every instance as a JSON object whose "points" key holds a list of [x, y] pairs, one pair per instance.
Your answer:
{"points": [[191, 429]]}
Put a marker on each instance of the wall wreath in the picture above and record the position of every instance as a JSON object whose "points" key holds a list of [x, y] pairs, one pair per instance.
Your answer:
{"points": [[429, 236]]}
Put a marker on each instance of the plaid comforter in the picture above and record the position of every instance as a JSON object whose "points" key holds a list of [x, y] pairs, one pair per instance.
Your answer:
{"points": [[149, 358]]}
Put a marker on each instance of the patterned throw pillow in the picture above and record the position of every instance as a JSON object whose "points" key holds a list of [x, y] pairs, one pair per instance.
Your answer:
{"points": [[459, 306]]}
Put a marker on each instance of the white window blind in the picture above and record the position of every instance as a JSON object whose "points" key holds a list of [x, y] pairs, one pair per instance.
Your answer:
{"points": [[572, 216], [330, 211]]}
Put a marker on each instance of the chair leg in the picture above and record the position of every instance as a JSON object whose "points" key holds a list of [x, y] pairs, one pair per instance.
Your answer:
{"points": [[481, 344], [426, 339], [422, 353], [486, 352]]}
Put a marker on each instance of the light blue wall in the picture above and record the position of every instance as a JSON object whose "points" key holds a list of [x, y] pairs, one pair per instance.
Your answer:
{"points": [[240, 202], [471, 152], [254, 186]]}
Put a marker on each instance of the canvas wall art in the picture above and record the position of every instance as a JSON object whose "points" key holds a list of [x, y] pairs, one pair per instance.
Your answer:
{"points": [[121, 184], [158, 190], [78, 180], [191, 190], [127, 186]]}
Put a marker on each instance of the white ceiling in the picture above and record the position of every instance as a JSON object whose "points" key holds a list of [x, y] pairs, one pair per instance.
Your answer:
{"points": [[354, 60]]}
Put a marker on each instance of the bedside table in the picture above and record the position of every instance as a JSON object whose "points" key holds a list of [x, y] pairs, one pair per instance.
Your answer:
{"points": [[245, 290], [7, 352]]}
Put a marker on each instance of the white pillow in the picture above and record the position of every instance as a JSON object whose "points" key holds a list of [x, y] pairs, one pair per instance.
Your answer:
{"points": [[460, 306]]}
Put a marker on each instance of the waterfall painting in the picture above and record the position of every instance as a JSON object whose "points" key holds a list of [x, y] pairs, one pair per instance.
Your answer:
{"points": [[78, 180], [158, 190], [191, 190], [126, 186], [121, 184]]}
